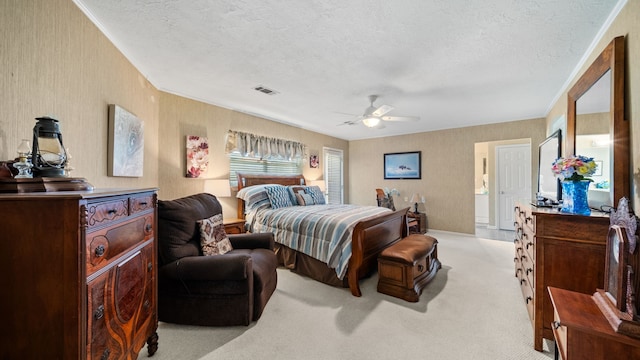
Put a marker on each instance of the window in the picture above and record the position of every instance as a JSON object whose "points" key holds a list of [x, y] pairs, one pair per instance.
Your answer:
{"points": [[240, 164], [333, 175]]}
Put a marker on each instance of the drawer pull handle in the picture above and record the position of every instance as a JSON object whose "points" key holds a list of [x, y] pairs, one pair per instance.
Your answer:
{"points": [[528, 299], [99, 313], [529, 270], [519, 270], [143, 203], [523, 257], [99, 250], [148, 227], [528, 244], [111, 211], [556, 324], [528, 219], [105, 354], [523, 281]]}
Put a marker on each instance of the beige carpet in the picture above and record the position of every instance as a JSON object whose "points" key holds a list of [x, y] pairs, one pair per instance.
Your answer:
{"points": [[473, 309]]}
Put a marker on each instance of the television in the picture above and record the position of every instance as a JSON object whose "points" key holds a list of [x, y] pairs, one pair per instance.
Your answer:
{"points": [[549, 188]]}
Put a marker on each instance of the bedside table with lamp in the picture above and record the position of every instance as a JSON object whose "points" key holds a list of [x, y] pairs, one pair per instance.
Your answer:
{"points": [[418, 220]]}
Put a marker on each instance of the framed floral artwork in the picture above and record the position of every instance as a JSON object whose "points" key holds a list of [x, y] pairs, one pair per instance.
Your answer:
{"points": [[197, 156], [314, 163], [126, 143]]}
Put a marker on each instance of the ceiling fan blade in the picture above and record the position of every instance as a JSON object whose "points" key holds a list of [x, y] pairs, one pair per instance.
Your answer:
{"points": [[381, 110], [343, 113], [400, 118]]}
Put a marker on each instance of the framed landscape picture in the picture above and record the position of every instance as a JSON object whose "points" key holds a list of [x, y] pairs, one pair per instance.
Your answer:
{"points": [[406, 165]]}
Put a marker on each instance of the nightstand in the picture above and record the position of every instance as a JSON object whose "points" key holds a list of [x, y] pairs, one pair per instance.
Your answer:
{"points": [[234, 226], [417, 223]]}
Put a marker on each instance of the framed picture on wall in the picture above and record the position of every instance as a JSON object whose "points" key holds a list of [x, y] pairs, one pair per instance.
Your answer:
{"points": [[197, 156], [126, 143], [406, 165]]}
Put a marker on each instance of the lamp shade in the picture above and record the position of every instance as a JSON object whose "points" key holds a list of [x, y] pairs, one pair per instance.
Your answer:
{"points": [[371, 121], [219, 188]]}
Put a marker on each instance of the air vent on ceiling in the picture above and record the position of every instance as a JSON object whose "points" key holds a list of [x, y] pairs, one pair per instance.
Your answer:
{"points": [[265, 90]]}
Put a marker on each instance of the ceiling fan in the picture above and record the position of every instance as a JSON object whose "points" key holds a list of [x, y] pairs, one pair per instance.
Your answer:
{"points": [[374, 116]]}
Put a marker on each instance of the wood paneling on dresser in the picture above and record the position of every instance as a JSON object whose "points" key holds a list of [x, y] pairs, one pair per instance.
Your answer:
{"points": [[79, 274], [560, 250]]}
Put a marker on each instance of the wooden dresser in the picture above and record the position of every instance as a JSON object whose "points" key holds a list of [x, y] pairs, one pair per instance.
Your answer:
{"points": [[79, 274], [560, 250]]}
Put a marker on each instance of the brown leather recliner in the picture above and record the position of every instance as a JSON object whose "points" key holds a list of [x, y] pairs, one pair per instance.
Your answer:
{"points": [[219, 290]]}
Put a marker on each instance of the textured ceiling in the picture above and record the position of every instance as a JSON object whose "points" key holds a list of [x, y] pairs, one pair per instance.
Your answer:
{"points": [[454, 63]]}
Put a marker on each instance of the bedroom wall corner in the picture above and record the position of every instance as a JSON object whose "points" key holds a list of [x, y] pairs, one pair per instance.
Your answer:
{"points": [[56, 62]]}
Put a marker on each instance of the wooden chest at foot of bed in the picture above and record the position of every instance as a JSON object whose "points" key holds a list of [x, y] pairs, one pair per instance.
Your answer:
{"points": [[406, 267]]}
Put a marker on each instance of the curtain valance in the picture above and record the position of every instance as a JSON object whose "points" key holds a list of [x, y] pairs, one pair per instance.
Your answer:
{"points": [[262, 147]]}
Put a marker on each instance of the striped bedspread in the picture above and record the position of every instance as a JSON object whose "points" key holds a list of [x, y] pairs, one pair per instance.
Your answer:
{"points": [[320, 231]]}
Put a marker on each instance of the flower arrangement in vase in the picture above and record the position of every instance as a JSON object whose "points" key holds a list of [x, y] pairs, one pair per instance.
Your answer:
{"points": [[574, 171]]}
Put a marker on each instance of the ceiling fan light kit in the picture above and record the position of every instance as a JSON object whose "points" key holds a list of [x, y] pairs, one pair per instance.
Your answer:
{"points": [[371, 121]]}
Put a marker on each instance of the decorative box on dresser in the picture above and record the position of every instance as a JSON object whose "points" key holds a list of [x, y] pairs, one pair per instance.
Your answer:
{"points": [[79, 274], [555, 249]]}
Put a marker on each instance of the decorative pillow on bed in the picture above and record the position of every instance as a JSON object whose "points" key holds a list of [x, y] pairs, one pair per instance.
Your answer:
{"points": [[254, 196], [213, 238], [294, 190], [316, 194], [304, 199], [278, 196]]}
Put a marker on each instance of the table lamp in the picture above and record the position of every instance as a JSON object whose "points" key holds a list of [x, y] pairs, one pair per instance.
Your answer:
{"points": [[416, 198]]}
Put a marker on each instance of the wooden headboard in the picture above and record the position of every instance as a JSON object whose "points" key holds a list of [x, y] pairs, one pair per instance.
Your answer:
{"points": [[246, 180]]}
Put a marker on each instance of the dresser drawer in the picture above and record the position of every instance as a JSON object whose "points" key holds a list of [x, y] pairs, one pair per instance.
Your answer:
{"points": [[105, 213], [119, 299], [106, 244], [141, 203], [527, 295]]}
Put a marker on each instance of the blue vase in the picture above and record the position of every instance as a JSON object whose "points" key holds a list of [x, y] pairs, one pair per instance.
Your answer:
{"points": [[574, 197]]}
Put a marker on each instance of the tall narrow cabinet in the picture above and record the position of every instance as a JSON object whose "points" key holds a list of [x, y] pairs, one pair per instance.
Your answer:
{"points": [[555, 249], [79, 274]]}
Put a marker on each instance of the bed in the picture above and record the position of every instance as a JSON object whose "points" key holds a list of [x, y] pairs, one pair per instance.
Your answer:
{"points": [[366, 236]]}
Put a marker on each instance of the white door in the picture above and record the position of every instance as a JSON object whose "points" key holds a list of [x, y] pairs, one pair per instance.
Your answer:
{"points": [[514, 181]]}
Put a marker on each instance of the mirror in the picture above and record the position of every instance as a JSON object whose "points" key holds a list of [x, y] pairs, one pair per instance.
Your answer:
{"points": [[549, 191], [596, 126]]}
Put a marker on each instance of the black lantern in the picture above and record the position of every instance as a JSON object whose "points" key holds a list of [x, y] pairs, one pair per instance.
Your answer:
{"points": [[48, 156]]}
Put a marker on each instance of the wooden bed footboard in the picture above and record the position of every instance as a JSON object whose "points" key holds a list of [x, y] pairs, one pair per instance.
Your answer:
{"points": [[370, 237]]}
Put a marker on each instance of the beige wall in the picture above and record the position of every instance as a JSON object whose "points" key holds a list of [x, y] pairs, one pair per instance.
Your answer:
{"points": [[447, 169], [627, 24], [56, 62], [180, 117]]}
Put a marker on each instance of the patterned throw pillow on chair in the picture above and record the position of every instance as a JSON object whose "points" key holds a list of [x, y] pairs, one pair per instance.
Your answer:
{"points": [[213, 238]]}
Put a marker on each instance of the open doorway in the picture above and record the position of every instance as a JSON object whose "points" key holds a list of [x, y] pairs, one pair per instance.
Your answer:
{"points": [[494, 196]]}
